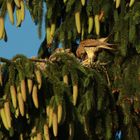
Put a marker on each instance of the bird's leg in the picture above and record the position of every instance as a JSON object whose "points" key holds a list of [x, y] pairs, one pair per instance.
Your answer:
{"points": [[90, 60], [85, 62]]}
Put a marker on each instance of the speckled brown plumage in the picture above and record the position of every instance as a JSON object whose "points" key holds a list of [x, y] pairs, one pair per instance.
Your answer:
{"points": [[91, 46]]}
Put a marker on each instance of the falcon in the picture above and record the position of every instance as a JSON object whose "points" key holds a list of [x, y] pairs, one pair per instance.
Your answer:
{"points": [[91, 47]]}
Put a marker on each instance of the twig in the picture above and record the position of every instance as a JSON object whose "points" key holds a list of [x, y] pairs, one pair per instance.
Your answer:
{"points": [[107, 76], [38, 60]]}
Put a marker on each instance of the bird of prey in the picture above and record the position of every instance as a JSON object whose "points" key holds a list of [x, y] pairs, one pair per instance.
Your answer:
{"points": [[91, 47]]}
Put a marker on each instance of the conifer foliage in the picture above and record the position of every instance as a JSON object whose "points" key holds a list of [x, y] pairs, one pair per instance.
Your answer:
{"points": [[55, 96]]}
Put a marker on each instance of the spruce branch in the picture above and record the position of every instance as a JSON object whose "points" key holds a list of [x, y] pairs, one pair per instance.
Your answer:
{"points": [[5, 60], [30, 59], [39, 60]]}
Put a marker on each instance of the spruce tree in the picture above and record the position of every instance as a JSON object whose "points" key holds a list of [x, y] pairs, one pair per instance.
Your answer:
{"points": [[87, 89]]}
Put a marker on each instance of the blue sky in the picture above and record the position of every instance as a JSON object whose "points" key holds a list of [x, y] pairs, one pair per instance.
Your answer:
{"points": [[21, 40]]}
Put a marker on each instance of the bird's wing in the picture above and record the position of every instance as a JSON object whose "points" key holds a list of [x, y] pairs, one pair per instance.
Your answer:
{"points": [[104, 39], [88, 43], [94, 43], [105, 47]]}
